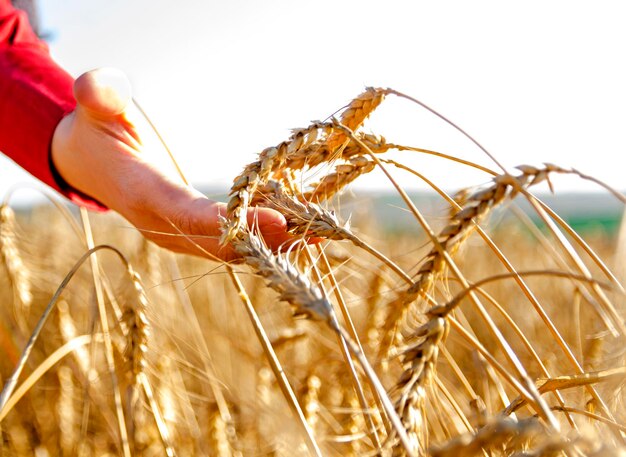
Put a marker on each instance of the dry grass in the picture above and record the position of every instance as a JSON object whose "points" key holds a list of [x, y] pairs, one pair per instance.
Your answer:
{"points": [[460, 337]]}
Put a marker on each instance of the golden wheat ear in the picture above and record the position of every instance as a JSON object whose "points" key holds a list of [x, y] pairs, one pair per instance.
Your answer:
{"points": [[17, 272]]}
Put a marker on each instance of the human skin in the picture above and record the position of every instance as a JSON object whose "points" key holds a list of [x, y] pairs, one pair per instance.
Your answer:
{"points": [[97, 150]]}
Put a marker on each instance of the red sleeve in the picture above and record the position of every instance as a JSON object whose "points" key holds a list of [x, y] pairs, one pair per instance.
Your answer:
{"points": [[35, 94]]}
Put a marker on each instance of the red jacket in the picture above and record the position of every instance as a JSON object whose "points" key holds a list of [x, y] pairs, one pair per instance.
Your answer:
{"points": [[35, 94]]}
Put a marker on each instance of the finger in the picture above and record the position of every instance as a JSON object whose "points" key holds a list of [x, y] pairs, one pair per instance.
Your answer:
{"points": [[195, 223], [104, 92], [202, 216], [103, 96], [272, 226]]}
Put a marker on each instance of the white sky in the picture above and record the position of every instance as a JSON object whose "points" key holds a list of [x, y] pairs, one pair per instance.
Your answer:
{"points": [[533, 81]]}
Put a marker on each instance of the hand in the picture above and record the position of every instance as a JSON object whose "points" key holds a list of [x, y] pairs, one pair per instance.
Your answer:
{"points": [[97, 150]]}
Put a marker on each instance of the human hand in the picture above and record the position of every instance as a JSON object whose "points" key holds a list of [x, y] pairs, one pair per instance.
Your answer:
{"points": [[97, 150]]}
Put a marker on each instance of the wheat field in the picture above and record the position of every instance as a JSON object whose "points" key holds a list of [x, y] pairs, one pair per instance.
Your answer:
{"points": [[471, 333]]}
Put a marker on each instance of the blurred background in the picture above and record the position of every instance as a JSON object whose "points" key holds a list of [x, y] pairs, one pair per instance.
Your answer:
{"points": [[538, 82]]}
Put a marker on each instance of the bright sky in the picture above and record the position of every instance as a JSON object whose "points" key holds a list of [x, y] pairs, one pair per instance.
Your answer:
{"points": [[533, 81]]}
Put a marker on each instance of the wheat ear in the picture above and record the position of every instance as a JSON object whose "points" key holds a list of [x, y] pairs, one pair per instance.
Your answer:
{"points": [[310, 219], [419, 361], [462, 221], [66, 409], [318, 152], [274, 158], [540, 174], [259, 172], [292, 287], [344, 174], [356, 112], [307, 299], [17, 272], [137, 326]]}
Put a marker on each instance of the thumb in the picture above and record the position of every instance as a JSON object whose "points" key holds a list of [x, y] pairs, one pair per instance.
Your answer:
{"points": [[103, 93]]}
